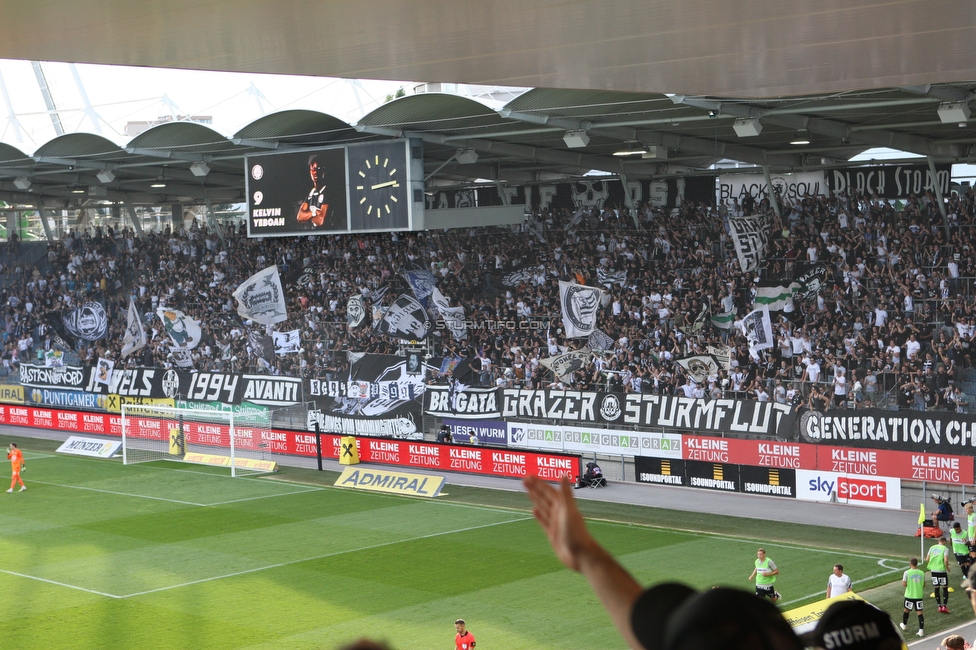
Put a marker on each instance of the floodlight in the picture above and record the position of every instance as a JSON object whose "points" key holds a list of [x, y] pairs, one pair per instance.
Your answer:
{"points": [[953, 112], [747, 127], [467, 156], [576, 139]]}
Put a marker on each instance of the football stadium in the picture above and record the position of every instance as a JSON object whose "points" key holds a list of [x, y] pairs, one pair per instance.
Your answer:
{"points": [[545, 326]]}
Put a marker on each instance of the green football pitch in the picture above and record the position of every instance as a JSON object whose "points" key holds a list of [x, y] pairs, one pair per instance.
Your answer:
{"points": [[162, 555]]}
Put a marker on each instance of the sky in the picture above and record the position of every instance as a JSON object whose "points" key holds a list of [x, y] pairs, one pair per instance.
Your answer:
{"points": [[121, 94]]}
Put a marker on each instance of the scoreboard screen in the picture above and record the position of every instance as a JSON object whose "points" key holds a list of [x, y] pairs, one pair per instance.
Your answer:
{"points": [[359, 188]]}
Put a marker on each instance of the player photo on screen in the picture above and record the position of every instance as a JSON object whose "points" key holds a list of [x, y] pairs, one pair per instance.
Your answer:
{"points": [[297, 193]]}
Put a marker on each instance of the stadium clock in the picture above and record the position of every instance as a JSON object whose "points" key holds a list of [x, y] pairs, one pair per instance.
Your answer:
{"points": [[378, 186]]}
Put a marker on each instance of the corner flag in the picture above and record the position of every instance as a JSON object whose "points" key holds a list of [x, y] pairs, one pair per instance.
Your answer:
{"points": [[921, 513]]}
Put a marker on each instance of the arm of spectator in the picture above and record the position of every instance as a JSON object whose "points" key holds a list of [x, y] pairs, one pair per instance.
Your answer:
{"points": [[556, 511]]}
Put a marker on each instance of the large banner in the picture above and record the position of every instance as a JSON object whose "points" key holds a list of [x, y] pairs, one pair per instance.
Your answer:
{"points": [[654, 411], [889, 181], [268, 390], [630, 409], [790, 186], [931, 431]]}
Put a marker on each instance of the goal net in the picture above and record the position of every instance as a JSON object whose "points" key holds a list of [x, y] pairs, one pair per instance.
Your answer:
{"points": [[222, 438]]}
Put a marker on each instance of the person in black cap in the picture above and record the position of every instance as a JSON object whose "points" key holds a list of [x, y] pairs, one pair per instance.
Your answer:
{"points": [[854, 625], [667, 616]]}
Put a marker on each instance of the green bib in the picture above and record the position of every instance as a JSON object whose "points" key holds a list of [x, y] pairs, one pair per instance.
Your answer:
{"points": [[937, 558], [762, 578], [959, 546], [914, 584]]}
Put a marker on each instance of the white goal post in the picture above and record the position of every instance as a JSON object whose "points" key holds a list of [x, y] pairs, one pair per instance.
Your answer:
{"points": [[222, 438]]}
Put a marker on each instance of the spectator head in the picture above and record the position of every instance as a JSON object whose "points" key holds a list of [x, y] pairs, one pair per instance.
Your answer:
{"points": [[854, 625]]}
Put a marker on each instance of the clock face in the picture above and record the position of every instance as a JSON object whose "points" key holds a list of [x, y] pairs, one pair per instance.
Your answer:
{"points": [[378, 187]]}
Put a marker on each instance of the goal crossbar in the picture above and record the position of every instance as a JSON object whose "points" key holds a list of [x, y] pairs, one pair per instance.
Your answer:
{"points": [[223, 438]]}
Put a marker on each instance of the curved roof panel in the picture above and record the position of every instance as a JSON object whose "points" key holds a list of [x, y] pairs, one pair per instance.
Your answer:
{"points": [[77, 145], [181, 136], [433, 112], [298, 127], [12, 154], [588, 103]]}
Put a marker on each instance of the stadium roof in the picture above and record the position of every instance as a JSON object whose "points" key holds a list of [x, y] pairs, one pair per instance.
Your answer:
{"points": [[762, 48], [599, 69], [540, 136]]}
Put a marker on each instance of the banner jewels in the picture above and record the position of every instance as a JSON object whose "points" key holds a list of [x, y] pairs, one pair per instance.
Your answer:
{"points": [[260, 298], [750, 236], [579, 308]]}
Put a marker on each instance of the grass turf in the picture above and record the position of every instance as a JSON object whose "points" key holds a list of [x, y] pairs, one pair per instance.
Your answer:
{"points": [[165, 555]]}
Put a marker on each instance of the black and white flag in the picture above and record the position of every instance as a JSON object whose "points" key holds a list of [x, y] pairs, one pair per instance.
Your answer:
{"points": [[758, 330], [355, 311], [262, 346], [376, 295], [87, 321], [810, 279], [699, 367], [287, 342], [135, 334], [453, 316], [182, 357], [579, 308], [260, 298], [565, 365], [521, 275], [750, 236], [406, 319], [611, 277], [599, 341]]}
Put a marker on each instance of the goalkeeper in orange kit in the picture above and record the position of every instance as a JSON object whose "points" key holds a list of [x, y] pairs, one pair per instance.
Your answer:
{"points": [[16, 458]]}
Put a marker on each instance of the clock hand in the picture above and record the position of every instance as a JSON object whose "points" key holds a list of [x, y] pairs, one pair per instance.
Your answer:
{"points": [[379, 186]]}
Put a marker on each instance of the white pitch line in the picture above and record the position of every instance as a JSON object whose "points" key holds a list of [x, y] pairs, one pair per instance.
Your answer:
{"points": [[121, 494], [743, 540], [266, 496], [60, 584], [320, 557]]}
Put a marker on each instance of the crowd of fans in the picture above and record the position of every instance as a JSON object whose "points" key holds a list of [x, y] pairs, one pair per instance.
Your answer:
{"points": [[894, 322]]}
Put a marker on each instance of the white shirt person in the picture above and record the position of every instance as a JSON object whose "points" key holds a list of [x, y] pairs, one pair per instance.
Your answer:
{"points": [[838, 583]]}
